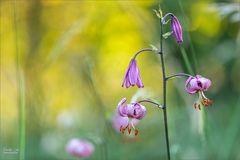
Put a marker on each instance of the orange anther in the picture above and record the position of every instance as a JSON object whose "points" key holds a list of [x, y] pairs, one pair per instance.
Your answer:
{"points": [[135, 132], [199, 107], [195, 105], [129, 130]]}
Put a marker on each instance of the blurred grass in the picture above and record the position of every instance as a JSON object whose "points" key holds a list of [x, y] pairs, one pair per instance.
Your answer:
{"points": [[72, 56], [21, 92]]}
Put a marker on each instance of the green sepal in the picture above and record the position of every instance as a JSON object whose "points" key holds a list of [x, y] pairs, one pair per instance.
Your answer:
{"points": [[166, 35]]}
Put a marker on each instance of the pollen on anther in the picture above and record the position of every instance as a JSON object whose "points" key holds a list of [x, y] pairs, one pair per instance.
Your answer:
{"points": [[129, 130], [136, 132], [195, 105]]}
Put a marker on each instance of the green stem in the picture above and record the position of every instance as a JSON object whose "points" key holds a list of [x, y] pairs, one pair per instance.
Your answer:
{"points": [[164, 92], [21, 103], [186, 61]]}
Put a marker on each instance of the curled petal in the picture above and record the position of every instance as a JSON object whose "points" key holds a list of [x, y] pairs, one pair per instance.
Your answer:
{"points": [[136, 111], [206, 83], [197, 83], [198, 76], [122, 101], [119, 122], [187, 88], [123, 110]]}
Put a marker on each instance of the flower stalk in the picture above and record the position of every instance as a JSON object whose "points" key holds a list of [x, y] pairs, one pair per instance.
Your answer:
{"points": [[193, 85], [164, 91]]}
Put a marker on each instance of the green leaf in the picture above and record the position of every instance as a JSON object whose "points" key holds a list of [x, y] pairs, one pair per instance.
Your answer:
{"points": [[160, 11], [157, 13], [166, 35], [166, 22], [154, 48]]}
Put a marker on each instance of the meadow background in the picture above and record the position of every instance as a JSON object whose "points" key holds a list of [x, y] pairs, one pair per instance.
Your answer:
{"points": [[62, 64]]}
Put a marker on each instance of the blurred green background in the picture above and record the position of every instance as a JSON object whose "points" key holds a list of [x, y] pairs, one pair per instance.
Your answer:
{"points": [[62, 64]]}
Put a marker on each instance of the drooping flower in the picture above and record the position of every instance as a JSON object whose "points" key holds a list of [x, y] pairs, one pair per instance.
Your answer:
{"points": [[133, 112], [177, 29], [199, 84], [132, 76], [80, 147]]}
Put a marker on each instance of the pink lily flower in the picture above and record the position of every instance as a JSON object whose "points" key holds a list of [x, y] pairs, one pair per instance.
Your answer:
{"points": [[199, 84], [133, 112], [80, 148]]}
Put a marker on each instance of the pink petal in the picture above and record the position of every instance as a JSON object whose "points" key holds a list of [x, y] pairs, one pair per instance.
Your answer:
{"points": [[187, 87], [133, 71], [118, 121], [122, 101], [139, 81], [206, 83]]}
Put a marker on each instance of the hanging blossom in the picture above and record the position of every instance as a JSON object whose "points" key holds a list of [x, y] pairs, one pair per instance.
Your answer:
{"points": [[132, 76], [80, 148], [177, 29], [199, 84], [132, 112]]}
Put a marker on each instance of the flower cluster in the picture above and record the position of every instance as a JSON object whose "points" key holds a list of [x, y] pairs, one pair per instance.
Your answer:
{"points": [[128, 116], [199, 84], [80, 148], [127, 113]]}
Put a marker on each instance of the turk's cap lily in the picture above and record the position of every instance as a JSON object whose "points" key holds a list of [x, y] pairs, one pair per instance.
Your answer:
{"points": [[133, 110], [80, 147], [199, 84], [196, 84], [177, 29], [131, 114], [132, 76]]}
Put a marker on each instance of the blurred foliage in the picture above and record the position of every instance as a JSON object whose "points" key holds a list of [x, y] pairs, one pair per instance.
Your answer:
{"points": [[73, 55]]}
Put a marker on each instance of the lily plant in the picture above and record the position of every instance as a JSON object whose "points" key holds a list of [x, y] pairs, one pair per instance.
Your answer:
{"points": [[195, 84]]}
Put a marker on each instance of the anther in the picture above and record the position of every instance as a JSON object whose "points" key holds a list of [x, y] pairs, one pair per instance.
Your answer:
{"points": [[199, 107], [129, 130], [135, 132]]}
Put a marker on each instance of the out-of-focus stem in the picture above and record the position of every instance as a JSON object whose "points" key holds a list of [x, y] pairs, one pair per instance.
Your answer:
{"points": [[21, 104], [21, 92]]}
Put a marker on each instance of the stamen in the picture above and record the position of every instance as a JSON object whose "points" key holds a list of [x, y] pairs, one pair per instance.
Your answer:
{"points": [[121, 128], [136, 132], [203, 95], [129, 129], [195, 105], [132, 125], [205, 101], [199, 107]]}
